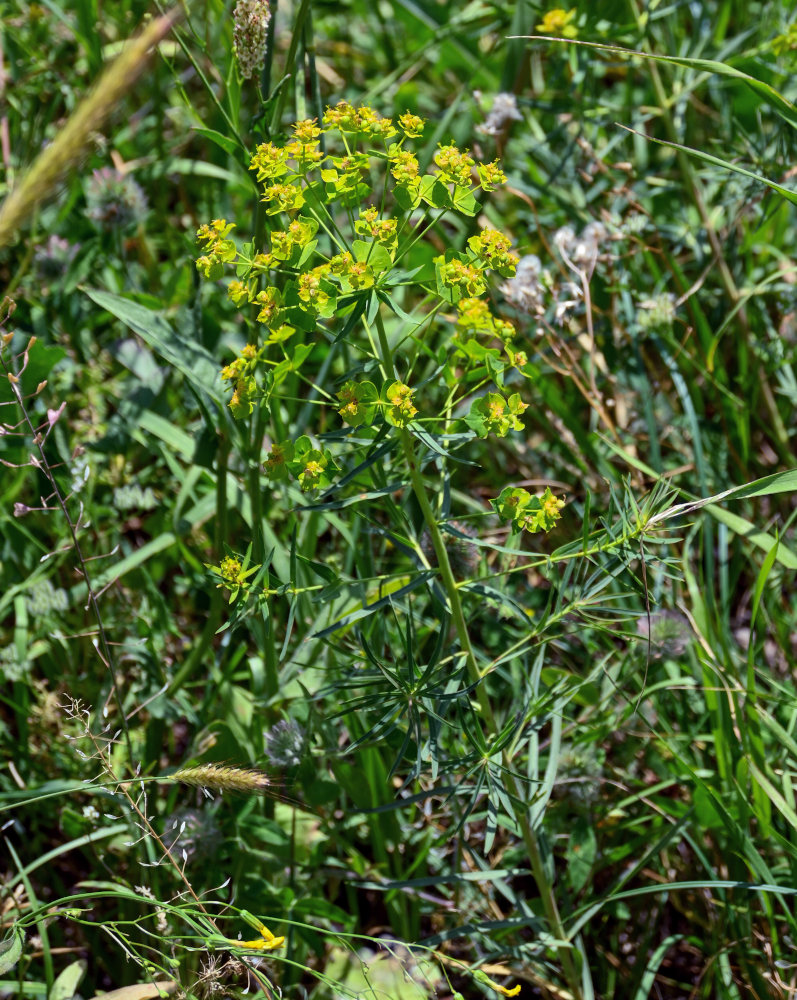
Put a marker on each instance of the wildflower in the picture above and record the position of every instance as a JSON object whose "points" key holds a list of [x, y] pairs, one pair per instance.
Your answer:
{"points": [[269, 302], [558, 22], [285, 744], [237, 291], [233, 371], [490, 175], [405, 167], [219, 249], [492, 249], [275, 463], [362, 120], [283, 198], [503, 111], [266, 942], [360, 275], [342, 117], [269, 161], [114, 200], [474, 315], [306, 154], [492, 414], [231, 571], [411, 125], [307, 130], [459, 275], [382, 230], [91, 812], [401, 409], [526, 511], [358, 401], [310, 288], [250, 35], [455, 166], [484, 979], [241, 403]]}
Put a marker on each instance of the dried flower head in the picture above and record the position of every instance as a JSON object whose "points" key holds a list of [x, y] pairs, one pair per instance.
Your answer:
{"points": [[526, 289], [54, 257], [503, 112], [668, 632], [285, 743], [192, 833], [114, 199], [250, 35]]}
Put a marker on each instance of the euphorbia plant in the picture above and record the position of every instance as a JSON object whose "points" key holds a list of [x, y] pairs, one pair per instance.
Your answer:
{"points": [[404, 360]]}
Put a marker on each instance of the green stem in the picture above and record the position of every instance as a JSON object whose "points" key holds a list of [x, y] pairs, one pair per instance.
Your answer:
{"points": [[518, 795], [290, 63], [213, 620]]}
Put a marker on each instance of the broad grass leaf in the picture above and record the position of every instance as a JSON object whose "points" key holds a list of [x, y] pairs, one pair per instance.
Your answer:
{"points": [[198, 366]]}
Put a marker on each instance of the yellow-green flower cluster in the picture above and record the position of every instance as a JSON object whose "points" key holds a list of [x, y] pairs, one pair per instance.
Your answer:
{"points": [[218, 249], [401, 409], [241, 373], [309, 267], [312, 467], [362, 121], [492, 249], [527, 512]]}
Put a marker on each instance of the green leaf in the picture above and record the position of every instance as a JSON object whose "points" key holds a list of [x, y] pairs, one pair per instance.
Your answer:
{"points": [[66, 985], [223, 142], [782, 105], [189, 358], [11, 950], [372, 253], [787, 193]]}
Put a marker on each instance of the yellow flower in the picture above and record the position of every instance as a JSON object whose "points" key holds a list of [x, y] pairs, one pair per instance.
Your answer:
{"points": [[557, 22], [484, 979], [266, 941]]}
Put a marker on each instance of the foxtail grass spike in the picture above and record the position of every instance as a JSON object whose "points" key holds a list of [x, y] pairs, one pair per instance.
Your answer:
{"points": [[223, 778], [71, 142]]}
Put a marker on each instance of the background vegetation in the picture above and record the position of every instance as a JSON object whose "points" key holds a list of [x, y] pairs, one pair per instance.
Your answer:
{"points": [[624, 763]]}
